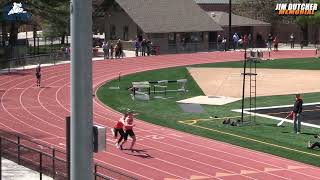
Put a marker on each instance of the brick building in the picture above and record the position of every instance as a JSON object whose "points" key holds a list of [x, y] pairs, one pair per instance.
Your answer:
{"points": [[168, 24], [240, 25], [282, 28]]}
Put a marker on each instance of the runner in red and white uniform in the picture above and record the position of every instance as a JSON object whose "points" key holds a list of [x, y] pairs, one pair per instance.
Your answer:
{"points": [[118, 128], [128, 128]]}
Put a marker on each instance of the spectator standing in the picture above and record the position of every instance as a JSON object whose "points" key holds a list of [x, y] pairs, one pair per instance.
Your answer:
{"points": [[276, 43], [137, 47], [67, 51], [235, 41], [149, 44], [105, 47], [292, 39], [302, 44], [269, 42], [219, 42], [119, 51], [111, 50], [296, 112], [240, 42], [143, 47], [224, 43]]}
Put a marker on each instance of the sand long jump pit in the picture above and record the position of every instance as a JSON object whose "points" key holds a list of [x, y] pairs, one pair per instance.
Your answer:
{"points": [[227, 82]]}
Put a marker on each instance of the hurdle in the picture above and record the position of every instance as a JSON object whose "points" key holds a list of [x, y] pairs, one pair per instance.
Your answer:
{"points": [[161, 86], [138, 92]]}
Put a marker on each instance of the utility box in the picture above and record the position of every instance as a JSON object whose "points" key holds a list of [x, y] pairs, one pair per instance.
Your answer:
{"points": [[99, 138]]}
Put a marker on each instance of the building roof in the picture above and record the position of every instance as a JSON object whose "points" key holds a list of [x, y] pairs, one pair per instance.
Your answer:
{"points": [[97, 9], [212, 1], [164, 16], [216, 1], [222, 18]]}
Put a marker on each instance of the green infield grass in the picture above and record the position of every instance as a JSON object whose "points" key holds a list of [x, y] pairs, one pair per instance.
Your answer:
{"points": [[262, 136]]}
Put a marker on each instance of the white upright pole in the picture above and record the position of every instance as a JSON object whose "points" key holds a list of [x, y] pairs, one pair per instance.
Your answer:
{"points": [[81, 90]]}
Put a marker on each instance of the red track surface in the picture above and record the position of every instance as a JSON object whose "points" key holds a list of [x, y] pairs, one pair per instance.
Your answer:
{"points": [[39, 114]]}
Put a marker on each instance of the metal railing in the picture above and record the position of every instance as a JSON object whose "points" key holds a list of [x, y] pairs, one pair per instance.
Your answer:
{"points": [[23, 61], [215, 46], [103, 172], [191, 48], [33, 155], [211, 46], [46, 160]]}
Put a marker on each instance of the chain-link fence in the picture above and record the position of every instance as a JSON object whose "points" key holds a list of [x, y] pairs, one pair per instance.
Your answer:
{"points": [[20, 63]]}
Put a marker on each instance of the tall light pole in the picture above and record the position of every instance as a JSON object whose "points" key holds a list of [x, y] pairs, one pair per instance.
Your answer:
{"points": [[230, 24], [81, 90]]}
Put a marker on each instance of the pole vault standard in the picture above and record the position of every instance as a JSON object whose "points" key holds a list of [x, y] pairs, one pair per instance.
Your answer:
{"points": [[81, 90], [254, 58], [243, 82]]}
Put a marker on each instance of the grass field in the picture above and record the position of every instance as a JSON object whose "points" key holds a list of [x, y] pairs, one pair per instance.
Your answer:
{"points": [[263, 136]]}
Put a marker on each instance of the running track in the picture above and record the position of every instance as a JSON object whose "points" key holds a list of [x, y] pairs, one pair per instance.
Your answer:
{"points": [[39, 113]]}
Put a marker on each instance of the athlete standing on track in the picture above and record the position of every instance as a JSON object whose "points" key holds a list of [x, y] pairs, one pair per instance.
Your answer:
{"points": [[38, 75], [118, 128], [296, 114], [128, 127]]}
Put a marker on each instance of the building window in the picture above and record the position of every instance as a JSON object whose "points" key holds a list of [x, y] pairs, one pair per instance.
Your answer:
{"points": [[172, 38], [196, 37], [125, 33], [113, 32]]}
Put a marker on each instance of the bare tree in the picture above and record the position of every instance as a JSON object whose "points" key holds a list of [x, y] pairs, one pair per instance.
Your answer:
{"points": [[261, 10]]}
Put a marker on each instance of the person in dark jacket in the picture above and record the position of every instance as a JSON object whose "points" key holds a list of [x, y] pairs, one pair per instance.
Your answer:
{"points": [[269, 42], [292, 39], [137, 47], [149, 44], [296, 114], [143, 47]]}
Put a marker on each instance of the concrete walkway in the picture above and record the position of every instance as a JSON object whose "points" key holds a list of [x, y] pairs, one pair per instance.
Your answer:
{"points": [[282, 47], [13, 171]]}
